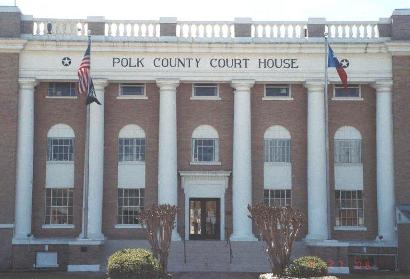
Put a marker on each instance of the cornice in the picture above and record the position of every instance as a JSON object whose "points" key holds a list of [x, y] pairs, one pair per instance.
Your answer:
{"points": [[12, 45], [399, 48]]}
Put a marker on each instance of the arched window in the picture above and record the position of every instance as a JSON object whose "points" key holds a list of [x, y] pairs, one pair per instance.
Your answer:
{"points": [[131, 144], [60, 143], [277, 144], [348, 145], [205, 144]]}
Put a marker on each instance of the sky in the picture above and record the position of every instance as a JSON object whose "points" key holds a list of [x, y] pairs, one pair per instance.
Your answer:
{"points": [[270, 10]]}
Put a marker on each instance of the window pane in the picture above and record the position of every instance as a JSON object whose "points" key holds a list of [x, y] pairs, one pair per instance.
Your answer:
{"points": [[59, 206], [349, 208], [277, 150], [277, 197], [61, 89], [60, 149], [130, 204], [205, 89], [131, 149], [132, 90], [350, 92], [276, 91], [348, 151], [204, 150]]}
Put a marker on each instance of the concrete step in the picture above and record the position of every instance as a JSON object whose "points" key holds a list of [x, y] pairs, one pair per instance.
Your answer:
{"points": [[202, 256]]}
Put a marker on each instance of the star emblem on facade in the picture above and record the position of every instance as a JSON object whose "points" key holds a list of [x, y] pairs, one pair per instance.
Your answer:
{"points": [[345, 63], [66, 61]]}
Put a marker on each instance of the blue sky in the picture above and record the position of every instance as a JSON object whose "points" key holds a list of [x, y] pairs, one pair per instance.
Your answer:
{"points": [[212, 9]]}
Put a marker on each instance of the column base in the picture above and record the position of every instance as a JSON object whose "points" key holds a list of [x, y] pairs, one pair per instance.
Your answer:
{"points": [[315, 237], [91, 237], [175, 236], [243, 237]]}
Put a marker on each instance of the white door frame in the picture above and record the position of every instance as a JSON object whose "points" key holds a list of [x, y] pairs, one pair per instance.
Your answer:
{"points": [[205, 184]]}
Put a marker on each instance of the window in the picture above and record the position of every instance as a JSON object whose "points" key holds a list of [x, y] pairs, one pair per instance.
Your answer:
{"points": [[130, 204], [132, 89], [277, 197], [277, 150], [348, 151], [131, 149], [60, 149], [59, 206], [352, 91], [61, 89], [349, 208], [204, 150], [277, 90], [205, 90]]}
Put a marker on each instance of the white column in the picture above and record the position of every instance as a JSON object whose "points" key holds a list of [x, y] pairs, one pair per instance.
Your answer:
{"points": [[242, 161], [24, 172], [167, 148], [316, 156], [385, 164], [96, 164]]}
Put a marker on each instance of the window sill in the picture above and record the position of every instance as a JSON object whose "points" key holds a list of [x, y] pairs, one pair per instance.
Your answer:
{"points": [[58, 226], [128, 226], [131, 163], [354, 99], [347, 228], [277, 98], [206, 98], [206, 163], [278, 163], [61, 97], [348, 164], [61, 162], [132, 97]]}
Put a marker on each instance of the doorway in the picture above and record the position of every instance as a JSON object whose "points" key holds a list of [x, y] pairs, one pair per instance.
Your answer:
{"points": [[204, 219]]}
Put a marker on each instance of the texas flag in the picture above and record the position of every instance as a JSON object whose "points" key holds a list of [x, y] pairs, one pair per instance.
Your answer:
{"points": [[332, 61]]}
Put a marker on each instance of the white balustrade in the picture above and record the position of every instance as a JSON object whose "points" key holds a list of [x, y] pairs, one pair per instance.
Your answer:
{"points": [[352, 30], [278, 30], [205, 29], [128, 28], [70, 27]]}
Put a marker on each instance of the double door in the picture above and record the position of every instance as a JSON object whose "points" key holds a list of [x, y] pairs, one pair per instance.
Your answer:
{"points": [[204, 218]]}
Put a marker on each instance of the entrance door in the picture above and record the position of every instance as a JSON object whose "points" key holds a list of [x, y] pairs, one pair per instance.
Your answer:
{"points": [[204, 218]]}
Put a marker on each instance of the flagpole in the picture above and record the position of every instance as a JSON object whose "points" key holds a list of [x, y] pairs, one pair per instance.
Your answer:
{"points": [[87, 155], [326, 103]]}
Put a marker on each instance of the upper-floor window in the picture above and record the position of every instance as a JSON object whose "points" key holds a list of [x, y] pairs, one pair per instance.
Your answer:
{"points": [[277, 197], [277, 90], [61, 89], [277, 144], [349, 208], [130, 205], [132, 89], [131, 144], [205, 144], [352, 91], [59, 206], [60, 143], [348, 145], [205, 90]]}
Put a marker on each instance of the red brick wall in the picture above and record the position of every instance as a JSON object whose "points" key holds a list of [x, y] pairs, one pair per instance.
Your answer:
{"points": [[290, 114], [8, 129], [118, 113], [362, 116], [193, 113], [401, 111], [47, 113]]}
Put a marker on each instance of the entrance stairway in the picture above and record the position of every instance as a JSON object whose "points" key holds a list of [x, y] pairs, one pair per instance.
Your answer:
{"points": [[208, 255]]}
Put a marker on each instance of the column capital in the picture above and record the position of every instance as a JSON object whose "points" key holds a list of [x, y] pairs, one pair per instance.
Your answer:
{"points": [[167, 84], [100, 83], [314, 85], [383, 85], [242, 84], [27, 83]]}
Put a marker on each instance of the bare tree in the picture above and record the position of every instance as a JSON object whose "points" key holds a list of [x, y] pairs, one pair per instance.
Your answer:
{"points": [[278, 227], [159, 221]]}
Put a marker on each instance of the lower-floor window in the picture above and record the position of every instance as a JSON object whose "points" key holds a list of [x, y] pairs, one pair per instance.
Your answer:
{"points": [[349, 208], [277, 197], [130, 204], [59, 206]]}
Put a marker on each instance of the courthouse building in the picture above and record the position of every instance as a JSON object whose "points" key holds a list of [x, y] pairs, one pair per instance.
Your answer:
{"points": [[211, 117]]}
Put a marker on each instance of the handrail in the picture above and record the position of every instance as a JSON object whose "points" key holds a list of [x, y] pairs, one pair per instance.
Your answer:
{"points": [[229, 244]]}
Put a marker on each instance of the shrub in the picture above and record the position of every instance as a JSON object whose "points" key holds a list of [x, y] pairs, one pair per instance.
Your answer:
{"points": [[308, 266], [133, 263]]}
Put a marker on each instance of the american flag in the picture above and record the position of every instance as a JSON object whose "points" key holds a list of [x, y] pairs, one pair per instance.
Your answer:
{"points": [[85, 84], [84, 71]]}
